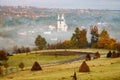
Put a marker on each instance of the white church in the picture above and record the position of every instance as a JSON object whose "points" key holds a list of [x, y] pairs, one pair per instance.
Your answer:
{"points": [[61, 24]]}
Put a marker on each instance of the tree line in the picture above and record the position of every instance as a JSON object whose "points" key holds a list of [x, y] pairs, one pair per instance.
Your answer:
{"points": [[79, 39]]}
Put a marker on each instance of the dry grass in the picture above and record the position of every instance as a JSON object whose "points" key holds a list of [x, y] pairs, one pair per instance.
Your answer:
{"points": [[101, 69]]}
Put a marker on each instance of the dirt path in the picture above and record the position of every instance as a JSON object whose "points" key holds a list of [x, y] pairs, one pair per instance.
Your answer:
{"points": [[65, 61]]}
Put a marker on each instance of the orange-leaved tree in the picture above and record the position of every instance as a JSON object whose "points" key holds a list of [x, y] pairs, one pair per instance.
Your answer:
{"points": [[105, 42]]}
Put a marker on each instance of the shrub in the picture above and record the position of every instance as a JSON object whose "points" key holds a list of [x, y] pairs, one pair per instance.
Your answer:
{"points": [[21, 65]]}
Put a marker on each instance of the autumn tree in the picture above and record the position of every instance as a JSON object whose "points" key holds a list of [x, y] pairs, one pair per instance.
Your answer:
{"points": [[94, 36], [3, 55], [78, 39], [118, 46], [59, 45], [105, 41], [66, 44], [40, 42]]}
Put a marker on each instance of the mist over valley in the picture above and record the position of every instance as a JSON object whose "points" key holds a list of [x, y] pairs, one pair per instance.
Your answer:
{"points": [[20, 26]]}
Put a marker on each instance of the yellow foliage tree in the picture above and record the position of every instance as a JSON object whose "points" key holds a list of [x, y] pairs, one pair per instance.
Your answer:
{"points": [[105, 42], [66, 44]]}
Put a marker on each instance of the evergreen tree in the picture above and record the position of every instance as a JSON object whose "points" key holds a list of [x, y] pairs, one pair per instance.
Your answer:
{"points": [[40, 42], [78, 39], [75, 38]]}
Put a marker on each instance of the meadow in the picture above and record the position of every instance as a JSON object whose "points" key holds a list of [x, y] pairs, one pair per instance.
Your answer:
{"points": [[30, 58], [100, 69]]}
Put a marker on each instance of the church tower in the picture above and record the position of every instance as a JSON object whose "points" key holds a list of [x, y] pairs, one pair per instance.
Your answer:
{"points": [[58, 23], [61, 25]]}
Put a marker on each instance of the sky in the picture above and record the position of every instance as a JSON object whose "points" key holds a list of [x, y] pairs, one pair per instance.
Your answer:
{"points": [[71, 4]]}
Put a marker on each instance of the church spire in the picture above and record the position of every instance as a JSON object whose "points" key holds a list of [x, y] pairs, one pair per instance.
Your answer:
{"points": [[62, 17], [61, 25], [58, 17]]}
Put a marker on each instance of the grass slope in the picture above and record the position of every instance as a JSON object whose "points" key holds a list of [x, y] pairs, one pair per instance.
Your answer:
{"points": [[29, 59], [101, 69]]}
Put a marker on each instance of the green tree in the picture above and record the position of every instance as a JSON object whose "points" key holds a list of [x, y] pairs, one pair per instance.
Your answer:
{"points": [[40, 42], [75, 38], [83, 38], [79, 39], [94, 36]]}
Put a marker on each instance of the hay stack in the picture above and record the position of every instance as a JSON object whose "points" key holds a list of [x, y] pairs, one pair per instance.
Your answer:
{"points": [[96, 55], [88, 57], [109, 54], [84, 67], [118, 54], [114, 54], [36, 67]]}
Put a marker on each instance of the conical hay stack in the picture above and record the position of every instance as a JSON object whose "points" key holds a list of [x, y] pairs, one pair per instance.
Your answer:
{"points": [[96, 55], [36, 67], [88, 57], [84, 67]]}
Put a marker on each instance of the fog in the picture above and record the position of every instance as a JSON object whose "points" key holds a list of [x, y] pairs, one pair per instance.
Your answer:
{"points": [[24, 35], [24, 31]]}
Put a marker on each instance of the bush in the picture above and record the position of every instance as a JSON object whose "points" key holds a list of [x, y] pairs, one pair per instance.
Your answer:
{"points": [[21, 65]]}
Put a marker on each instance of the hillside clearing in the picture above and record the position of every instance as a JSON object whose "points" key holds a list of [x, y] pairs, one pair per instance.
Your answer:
{"points": [[101, 69]]}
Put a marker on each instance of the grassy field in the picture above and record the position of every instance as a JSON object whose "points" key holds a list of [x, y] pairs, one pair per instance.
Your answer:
{"points": [[100, 69], [29, 59]]}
